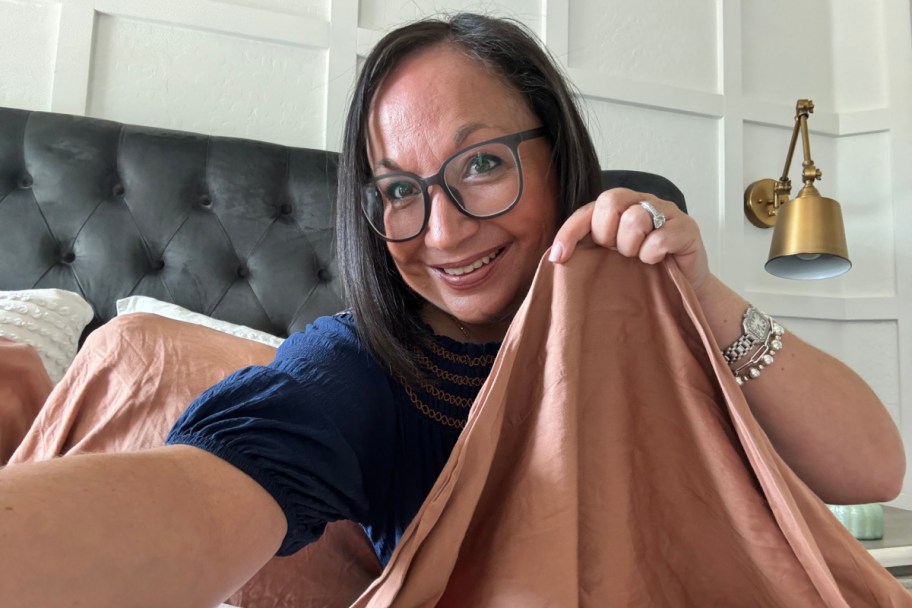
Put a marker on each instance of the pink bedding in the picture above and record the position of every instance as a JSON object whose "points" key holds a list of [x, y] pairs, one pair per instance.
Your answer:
{"points": [[610, 460], [127, 386]]}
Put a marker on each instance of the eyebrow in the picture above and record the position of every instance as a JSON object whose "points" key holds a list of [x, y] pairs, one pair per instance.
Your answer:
{"points": [[465, 130], [460, 136]]}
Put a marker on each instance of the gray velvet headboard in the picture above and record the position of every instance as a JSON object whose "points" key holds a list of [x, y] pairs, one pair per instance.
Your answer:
{"points": [[239, 230]]}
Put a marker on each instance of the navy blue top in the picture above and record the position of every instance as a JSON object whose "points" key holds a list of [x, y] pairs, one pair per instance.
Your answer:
{"points": [[330, 435]]}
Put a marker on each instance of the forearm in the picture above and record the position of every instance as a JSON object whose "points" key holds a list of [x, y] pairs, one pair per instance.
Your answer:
{"points": [[173, 526], [823, 419]]}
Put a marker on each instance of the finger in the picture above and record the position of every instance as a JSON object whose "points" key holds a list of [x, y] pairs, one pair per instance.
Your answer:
{"points": [[635, 225], [599, 218], [573, 230], [680, 236]]}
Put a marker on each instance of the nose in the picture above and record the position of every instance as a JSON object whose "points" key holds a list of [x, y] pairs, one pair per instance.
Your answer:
{"points": [[447, 225]]}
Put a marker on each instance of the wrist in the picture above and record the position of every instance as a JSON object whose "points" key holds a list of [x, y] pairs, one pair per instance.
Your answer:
{"points": [[756, 348]]}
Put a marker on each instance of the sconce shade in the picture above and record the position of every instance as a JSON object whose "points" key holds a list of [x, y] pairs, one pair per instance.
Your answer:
{"points": [[809, 238]]}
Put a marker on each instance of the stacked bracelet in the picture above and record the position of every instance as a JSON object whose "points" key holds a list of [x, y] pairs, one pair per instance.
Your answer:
{"points": [[762, 339]]}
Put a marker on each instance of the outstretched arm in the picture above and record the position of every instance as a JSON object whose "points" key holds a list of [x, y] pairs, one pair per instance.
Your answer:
{"points": [[824, 420], [174, 526]]}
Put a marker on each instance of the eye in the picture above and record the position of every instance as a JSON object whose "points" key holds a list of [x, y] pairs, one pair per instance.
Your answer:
{"points": [[399, 190], [481, 163]]}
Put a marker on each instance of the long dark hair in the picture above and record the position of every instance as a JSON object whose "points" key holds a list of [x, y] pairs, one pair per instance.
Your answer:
{"points": [[385, 308]]}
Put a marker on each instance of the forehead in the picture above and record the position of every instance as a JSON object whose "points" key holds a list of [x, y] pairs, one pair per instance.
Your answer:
{"points": [[437, 97]]}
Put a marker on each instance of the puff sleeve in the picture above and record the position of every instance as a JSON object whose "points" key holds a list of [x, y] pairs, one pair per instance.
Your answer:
{"points": [[314, 428]]}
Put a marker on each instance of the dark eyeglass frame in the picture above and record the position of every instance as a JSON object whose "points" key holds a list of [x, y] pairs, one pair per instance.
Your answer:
{"points": [[512, 142]]}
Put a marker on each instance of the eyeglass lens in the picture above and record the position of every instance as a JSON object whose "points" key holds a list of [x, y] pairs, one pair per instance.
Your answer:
{"points": [[483, 181]]}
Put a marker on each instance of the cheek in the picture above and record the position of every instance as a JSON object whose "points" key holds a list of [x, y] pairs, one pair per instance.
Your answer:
{"points": [[398, 251], [404, 255], [544, 216], [544, 193]]}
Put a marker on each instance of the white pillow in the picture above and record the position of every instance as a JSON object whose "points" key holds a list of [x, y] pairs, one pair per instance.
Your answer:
{"points": [[179, 313], [49, 320]]}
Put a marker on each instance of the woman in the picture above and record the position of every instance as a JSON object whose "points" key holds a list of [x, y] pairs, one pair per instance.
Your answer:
{"points": [[357, 416]]}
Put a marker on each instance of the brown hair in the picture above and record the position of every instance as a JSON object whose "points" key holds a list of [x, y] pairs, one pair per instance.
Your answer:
{"points": [[385, 308]]}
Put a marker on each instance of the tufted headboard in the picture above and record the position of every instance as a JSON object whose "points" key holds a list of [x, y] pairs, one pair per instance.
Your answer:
{"points": [[238, 230], [235, 229]]}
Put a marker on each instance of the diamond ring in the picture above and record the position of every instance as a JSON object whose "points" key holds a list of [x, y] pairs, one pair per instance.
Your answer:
{"points": [[658, 218]]}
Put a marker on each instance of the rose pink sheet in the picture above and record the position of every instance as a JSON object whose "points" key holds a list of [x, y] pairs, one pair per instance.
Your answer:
{"points": [[127, 386], [611, 460]]}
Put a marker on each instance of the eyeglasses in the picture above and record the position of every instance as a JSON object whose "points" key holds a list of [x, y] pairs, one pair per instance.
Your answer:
{"points": [[483, 181]]}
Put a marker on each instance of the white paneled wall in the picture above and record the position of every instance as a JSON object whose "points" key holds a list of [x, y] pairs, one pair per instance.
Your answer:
{"points": [[28, 46], [312, 8], [787, 47], [142, 72], [701, 91], [673, 43], [382, 15], [860, 55]]}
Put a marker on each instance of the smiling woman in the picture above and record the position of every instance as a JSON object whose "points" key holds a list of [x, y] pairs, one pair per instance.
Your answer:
{"points": [[421, 116], [502, 83], [465, 158]]}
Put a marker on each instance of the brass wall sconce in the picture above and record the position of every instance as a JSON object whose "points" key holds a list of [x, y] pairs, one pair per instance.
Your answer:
{"points": [[809, 236]]}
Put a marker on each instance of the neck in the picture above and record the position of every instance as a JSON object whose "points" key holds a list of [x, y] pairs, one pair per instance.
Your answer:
{"points": [[445, 324]]}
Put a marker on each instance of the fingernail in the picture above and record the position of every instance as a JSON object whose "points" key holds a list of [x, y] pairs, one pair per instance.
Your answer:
{"points": [[556, 251]]}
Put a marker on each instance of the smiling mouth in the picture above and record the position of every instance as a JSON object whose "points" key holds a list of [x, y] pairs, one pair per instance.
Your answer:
{"points": [[474, 265]]}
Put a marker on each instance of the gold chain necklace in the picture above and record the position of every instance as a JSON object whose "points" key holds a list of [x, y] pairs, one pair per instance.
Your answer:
{"points": [[465, 332]]}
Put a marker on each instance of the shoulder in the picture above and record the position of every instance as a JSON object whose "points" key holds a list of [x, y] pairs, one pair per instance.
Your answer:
{"points": [[329, 352], [323, 335]]}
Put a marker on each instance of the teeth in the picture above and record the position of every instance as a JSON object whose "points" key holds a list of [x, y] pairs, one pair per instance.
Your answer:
{"points": [[473, 266]]}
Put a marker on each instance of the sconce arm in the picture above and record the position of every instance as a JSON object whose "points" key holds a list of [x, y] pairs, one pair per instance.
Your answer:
{"points": [[810, 172], [764, 198]]}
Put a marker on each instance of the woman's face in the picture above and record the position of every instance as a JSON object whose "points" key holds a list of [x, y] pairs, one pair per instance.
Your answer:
{"points": [[436, 102]]}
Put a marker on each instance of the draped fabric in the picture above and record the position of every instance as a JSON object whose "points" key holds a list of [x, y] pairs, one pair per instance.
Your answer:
{"points": [[611, 460], [127, 386]]}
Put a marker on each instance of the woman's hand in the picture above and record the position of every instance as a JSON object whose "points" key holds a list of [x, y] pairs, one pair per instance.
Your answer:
{"points": [[616, 220]]}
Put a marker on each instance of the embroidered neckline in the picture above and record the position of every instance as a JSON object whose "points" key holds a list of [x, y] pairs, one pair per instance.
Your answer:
{"points": [[478, 358]]}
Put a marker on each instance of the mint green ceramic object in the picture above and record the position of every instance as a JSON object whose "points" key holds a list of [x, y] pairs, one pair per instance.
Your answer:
{"points": [[865, 522]]}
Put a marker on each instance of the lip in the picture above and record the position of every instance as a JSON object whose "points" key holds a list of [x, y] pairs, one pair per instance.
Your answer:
{"points": [[472, 279]]}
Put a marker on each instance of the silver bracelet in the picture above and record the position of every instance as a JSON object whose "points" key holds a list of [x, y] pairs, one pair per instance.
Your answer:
{"points": [[763, 356]]}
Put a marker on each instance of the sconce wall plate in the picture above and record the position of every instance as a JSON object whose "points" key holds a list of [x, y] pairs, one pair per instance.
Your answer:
{"points": [[758, 203]]}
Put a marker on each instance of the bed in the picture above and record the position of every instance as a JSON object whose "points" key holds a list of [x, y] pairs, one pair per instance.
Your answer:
{"points": [[99, 219]]}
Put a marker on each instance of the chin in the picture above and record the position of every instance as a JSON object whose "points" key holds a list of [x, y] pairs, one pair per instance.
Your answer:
{"points": [[478, 315]]}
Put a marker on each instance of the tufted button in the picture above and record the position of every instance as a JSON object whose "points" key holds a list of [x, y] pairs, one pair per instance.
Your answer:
{"points": [[24, 180], [324, 275], [285, 209], [156, 265], [205, 200], [68, 257], [118, 190], [243, 272]]}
